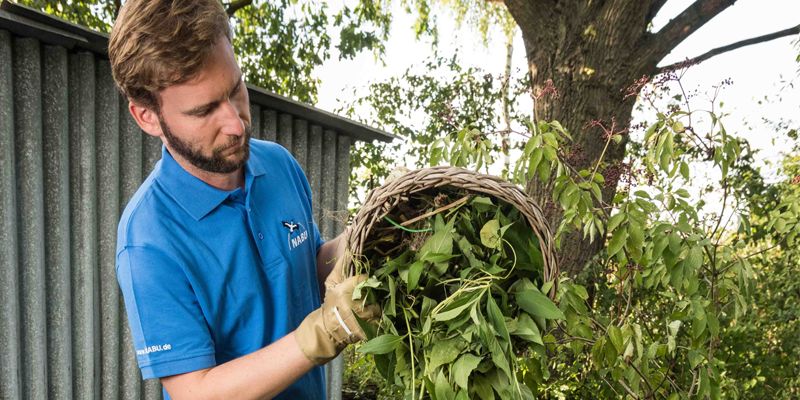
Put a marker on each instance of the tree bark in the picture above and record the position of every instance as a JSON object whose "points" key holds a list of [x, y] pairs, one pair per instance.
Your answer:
{"points": [[585, 48], [592, 51]]}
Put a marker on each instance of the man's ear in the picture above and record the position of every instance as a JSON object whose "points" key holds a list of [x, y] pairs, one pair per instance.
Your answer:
{"points": [[146, 118]]}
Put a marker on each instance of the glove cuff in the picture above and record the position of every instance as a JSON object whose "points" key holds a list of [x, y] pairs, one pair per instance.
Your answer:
{"points": [[314, 340]]}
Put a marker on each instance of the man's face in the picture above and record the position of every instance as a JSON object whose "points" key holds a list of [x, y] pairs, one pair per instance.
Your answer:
{"points": [[206, 120], [219, 161]]}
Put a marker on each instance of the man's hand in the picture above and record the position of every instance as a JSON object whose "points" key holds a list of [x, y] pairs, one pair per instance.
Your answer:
{"points": [[267, 372], [328, 330], [328, 260]]}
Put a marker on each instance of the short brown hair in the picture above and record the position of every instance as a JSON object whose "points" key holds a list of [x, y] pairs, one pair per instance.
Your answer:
{"points": [[158, 43]]}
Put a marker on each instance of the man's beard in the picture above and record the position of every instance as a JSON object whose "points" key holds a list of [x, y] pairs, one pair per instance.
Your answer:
{"points": [[217, 163]]}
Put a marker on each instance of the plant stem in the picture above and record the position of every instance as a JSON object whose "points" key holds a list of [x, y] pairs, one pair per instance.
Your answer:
{"points": [[401, 226], [411, 351], [437, 211], [600, 159], [465, 288]]}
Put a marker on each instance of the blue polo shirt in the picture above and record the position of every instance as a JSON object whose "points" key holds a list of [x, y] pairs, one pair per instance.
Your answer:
{"points": [[210, 275]]}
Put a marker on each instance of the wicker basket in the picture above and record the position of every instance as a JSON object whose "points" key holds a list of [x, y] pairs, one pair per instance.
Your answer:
{"points": [[383, 199]]}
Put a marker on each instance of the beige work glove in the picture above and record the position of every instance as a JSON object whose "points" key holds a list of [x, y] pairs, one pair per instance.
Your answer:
{"points": [[329, 329]]}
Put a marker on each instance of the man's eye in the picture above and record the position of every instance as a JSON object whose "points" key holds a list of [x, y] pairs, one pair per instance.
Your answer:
{"points": [[202, 113]]}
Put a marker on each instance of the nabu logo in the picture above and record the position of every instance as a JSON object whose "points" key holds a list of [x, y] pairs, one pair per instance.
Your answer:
{"points": [[297, 234]]}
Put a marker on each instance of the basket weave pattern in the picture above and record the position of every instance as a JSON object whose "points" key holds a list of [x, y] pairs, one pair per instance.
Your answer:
{"points": [[383, 199]]}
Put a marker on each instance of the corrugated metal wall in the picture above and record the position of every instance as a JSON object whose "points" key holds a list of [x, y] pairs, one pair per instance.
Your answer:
{"points": [[70, 158]]}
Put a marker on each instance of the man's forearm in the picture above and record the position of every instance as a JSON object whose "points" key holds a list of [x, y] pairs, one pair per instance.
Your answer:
{"points": [[259, 375], [327, 255]]}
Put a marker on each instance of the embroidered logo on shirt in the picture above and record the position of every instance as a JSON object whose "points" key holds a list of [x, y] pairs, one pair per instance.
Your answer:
{"points": [[297, 234], [292, 226]]}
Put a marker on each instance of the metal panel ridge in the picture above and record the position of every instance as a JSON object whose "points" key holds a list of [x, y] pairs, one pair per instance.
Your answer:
{"points": [[30, 211], [83, 202], [10, 378], [55, 125]]}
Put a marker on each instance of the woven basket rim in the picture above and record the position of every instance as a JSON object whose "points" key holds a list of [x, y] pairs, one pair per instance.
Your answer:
{"points": [[385, 198]]}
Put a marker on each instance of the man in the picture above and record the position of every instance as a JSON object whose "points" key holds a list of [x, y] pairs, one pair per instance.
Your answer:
{"points": [[218, 257]]}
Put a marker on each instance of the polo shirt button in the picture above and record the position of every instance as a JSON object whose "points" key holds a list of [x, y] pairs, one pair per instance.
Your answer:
{"points": [[260, 235]]}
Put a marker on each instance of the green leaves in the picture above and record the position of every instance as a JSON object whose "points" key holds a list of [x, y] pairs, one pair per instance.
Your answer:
{"points": [[615, 336], [440, 243], [414, 273], [444, 352], [497, 319], [695, 258], [463, 367], [668, 301], [671, 337], [537, 304], [456, 308], [527, 329], [490, 234], [525, 247], [371, 282], [618, 240], [382, 344], [443, 390], [453, 295], [653, 312]]}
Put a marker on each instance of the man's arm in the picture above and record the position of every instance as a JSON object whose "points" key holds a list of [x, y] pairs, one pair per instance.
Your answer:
{"points": [[259, 375], [327, 255], [267, 372]]}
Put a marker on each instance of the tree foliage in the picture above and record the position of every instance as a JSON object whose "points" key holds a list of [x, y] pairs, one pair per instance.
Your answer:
{"points": [[697, 289], [592, 51], [279, 43], [431, 102], [687, 291], [94, 14]]}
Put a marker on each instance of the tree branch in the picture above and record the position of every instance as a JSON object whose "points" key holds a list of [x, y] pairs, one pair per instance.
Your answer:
{"points": [[117, 6], [679, 28], [654, 9], [733, 46], [530, 13], [236, 6]]}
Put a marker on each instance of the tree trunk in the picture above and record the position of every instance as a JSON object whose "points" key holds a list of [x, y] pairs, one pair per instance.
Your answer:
{"points": [[593, 51]]}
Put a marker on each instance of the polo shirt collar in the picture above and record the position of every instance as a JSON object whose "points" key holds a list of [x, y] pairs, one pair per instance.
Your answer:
{"points": [[255, 165], [195, 196]]}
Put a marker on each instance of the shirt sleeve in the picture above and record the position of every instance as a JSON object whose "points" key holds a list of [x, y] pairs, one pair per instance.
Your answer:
{"points": [[170, 334]]}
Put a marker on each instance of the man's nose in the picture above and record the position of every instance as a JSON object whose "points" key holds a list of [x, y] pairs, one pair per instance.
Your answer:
{"points": [[232, 121]]}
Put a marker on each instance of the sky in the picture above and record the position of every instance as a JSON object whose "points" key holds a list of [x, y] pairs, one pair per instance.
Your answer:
{"points": [[756, 71]]}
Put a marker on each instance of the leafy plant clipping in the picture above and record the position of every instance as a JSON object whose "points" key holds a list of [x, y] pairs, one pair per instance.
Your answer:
{"points": [[465, 310]]}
